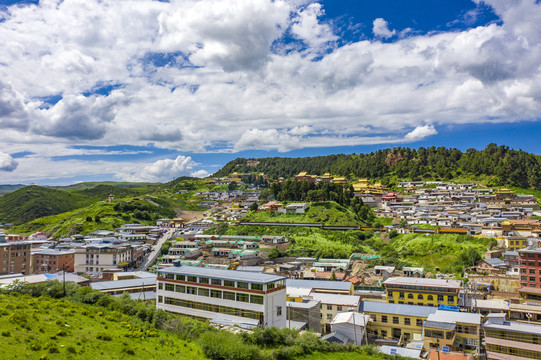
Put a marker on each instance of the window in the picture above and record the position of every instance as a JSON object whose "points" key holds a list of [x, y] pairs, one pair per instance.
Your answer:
{"points": [[389, 294], [278, 311], [216, 294], [420, 297], [271, 285], [180, 288], [203, 280], [229, 295], [401, 295], [170, 276], [203, 292], [329, 307], [450, 299], [391, 301], [242, 285], [383, 333], [160, 299], [192, 278], [216, 281], [256, 299], [181, 277], [430, 298], [191, 290], [329, 316], [257, 286], [395, 320], [169, 287], [532, 278], [523, 278], [383, 318], [160, 286], [339, 307], [243, 297], [229, 283], [410, 296], [440, 297], [419, 322], [531, 271], [407, 321]]}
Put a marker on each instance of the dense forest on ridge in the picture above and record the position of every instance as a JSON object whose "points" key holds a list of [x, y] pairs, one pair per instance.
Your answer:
{"points": [[502, 165]]}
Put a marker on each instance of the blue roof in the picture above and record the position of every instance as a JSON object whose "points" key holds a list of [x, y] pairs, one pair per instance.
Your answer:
{"points": [[398, 309], [319, 284]]}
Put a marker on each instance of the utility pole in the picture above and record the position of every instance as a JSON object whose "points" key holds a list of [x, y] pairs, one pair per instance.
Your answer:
{"points": [[64, 278]]}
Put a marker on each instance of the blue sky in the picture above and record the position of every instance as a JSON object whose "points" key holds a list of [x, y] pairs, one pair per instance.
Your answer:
{"points": [[149, 91]]}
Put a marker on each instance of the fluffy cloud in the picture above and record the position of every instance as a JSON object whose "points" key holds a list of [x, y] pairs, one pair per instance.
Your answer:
{"points": [[381, 28], [420, 132], [165, 170], [7, 163], [260, 74]]}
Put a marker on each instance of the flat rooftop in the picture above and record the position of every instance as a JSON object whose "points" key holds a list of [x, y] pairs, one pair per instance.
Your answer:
{"points": [[423, 282], [246, 276]]}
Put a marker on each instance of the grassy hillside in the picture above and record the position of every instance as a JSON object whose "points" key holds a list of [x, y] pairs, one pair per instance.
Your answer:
{"points": [[32, 202], [6, 189], [445, 252], [328, 213], [36, 321], [100, 215], [90, 185], [45, 328]]}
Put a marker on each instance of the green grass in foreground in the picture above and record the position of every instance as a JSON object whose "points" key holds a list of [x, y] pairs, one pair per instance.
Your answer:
{"points": [[45, 328]]}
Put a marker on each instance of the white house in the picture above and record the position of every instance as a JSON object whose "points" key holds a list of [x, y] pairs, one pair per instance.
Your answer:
{"points": [[246, 299], [352, 325]]}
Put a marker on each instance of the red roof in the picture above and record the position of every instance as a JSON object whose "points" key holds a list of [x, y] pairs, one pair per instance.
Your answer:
{"points": [[448, 356]]}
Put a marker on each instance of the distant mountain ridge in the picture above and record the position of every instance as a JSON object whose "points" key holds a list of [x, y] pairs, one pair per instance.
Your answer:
{"points": [[500, 165]]}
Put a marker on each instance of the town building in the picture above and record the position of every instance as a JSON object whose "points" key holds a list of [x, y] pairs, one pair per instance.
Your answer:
{"points": [[332, 304], [422, 291], [15, 257], [92, 259], [530, 265], [511, 340], [52, 260], [397, 322], [350, 326], [459, 331], [243, 298]]}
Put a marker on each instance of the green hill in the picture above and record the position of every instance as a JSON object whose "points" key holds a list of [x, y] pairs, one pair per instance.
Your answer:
{"points": [[32, 202], [39, 322], [493, 166]]}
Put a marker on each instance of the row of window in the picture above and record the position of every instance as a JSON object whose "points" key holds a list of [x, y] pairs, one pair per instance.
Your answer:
{"points": [[530, 263], [440, 298], [213, 308], [338, 307], [420, 288], [217, 294], [506, 335], [396, 320], [529, 271], [530, 278], [521, 353], [219, 282]]}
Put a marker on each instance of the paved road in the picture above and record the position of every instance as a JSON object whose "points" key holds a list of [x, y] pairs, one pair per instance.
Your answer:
{"points": [[156, 250]]}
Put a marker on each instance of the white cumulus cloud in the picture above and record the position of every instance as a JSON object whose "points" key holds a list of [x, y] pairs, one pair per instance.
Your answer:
{"points": [[381, 28], [164, 170], [420, 132], [7, 163]]}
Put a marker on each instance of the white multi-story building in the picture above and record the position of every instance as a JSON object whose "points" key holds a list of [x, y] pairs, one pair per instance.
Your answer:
{"points": [[238, 297], [92, 259]]}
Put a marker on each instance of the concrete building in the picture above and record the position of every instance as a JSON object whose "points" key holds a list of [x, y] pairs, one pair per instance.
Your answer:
{"points": [[397, 322], [15, 257], [352, 326], [509, 340], [530, 265], [460, 331], [332, 304], [52, 260], [92, 259], [247, 299], [422, 291]]}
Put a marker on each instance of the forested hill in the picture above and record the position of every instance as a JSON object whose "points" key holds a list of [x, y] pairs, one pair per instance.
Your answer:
{"points": [[500, 165]]}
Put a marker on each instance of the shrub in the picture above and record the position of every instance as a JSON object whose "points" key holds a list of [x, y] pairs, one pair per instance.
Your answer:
{"points": [[226, 346], [103, 336]]}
